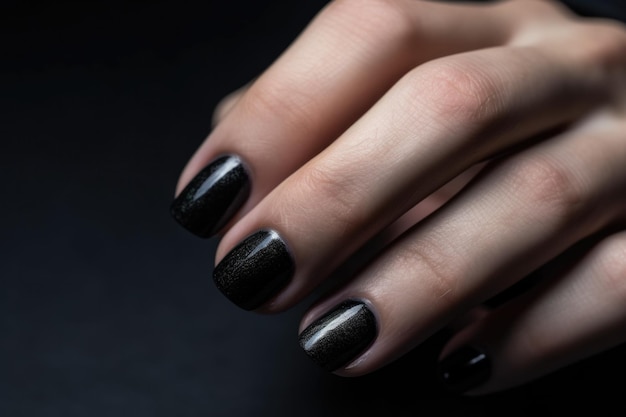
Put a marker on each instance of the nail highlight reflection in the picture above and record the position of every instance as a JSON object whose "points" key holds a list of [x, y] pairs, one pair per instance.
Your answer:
{"points": [[213, 196], [335, 339], [256, 270], [464, 369]]}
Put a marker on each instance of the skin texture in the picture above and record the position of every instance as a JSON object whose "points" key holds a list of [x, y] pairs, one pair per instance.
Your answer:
{"points": [[466, 147]]}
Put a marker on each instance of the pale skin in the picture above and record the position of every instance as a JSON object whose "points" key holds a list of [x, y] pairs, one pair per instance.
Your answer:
{"points": [[381, 111]]}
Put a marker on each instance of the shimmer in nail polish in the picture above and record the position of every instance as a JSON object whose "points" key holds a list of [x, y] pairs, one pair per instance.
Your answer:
{"points": [[335, 339], [255, 270], [464, 369], [212, 197]]}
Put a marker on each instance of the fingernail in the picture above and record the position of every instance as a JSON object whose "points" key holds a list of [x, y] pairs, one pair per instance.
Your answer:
{"points": [[255, 270], [213, 196], [464, 369], [335, 339]]}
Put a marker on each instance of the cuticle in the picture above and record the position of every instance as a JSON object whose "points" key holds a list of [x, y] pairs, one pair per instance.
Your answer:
{"points": [[282, 239], [370, 306], [330, 309], [242, 161]]}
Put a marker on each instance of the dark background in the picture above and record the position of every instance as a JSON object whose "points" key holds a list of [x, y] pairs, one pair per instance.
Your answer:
{"points": [[106, 305]]}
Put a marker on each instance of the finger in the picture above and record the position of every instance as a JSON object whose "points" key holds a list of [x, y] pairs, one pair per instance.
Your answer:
{"points": [[523, 212], [568, 318], [340, 65], [357, 260], [439, 120], [226, 104]]}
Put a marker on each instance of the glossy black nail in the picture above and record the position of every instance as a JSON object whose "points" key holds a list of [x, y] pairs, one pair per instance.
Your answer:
{"points": [[255, 270], [335, 339], [213, 196], [464, 369]]}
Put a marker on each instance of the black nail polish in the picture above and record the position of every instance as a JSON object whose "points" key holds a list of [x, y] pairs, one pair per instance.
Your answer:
{"points": [[338, 337], [213, 196], [464, 369], [255, 270]]}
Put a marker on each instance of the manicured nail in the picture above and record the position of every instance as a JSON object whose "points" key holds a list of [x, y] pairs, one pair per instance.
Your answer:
{"points": [[214, 195], [255, 270], [464, 369], [335, 339]]}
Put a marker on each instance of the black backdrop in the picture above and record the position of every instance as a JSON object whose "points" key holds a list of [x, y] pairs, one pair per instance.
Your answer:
{"points": [[106, 305]]}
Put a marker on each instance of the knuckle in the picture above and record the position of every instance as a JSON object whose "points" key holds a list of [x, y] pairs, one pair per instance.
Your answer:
{"points": [[548, 187], [601, 48], [607, 43], [439, 274], [612, 263], [377, 19], [455, 91], [339, 197]]}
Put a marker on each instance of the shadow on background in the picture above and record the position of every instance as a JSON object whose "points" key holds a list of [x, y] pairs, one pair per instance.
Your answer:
{"points": [[106, 305]]}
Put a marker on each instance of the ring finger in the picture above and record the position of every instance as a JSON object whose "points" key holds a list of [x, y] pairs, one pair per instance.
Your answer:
{"points": [[521, 213]]}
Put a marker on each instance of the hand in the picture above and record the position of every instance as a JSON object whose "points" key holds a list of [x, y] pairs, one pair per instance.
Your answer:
{"points": [[448, 151]]}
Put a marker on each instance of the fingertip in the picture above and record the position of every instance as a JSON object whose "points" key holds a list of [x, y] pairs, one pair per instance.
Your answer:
{"points": [[464, 369], [213, 196], [338, 340]]}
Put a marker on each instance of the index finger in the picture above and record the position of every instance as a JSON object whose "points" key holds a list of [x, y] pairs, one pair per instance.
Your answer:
{"points": [[351, 53]]}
